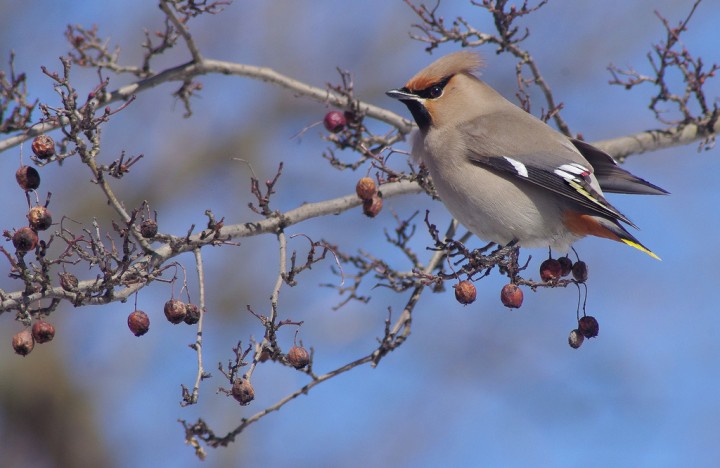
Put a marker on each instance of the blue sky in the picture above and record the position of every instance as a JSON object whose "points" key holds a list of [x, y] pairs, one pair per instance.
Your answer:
{"points": [[475, 385]]}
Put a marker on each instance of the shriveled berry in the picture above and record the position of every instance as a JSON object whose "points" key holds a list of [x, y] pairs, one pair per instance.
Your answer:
{"points": [[23, 342], [565, 265], [550, 270], [148, 229], [589, 326], [43, 146], [138, 322], [68, 282], [28, 178], [298, 357], [511, 296], [243, 391], [175, 311], [366, 188], [192, 315], [25, 239], [465, 292], [43, 331], [580, 271], [39, 218], [334, 121], [372, 207], [575, 340]]}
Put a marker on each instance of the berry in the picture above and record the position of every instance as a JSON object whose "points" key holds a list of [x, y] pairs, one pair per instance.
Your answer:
{"points": [[372, 207], [175, 311], [589, 326], [25, 239], [193, 314], [465, 292], [68, 282], [138, 322], [243, 391], [298, 357], [334, 121], [43, 331], [28, 178], [39, 218], [366, 188], [580, 271], [23, 342], [575, 340], [148, 229], [511, 296], [550, 270], [565, 265], [43, 146]]}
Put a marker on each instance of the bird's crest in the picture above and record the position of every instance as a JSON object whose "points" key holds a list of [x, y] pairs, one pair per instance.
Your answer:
{"points": [[463, 61]]}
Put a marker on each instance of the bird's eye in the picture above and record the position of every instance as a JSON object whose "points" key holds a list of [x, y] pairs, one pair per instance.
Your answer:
{"points": [[435, 92]]}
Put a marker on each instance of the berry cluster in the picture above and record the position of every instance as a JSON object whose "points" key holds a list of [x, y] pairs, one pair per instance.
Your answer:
{"points": [[367, 191], [176, 311]]}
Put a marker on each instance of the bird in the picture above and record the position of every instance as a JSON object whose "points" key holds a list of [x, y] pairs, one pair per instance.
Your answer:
{"points": [[506, 175]]}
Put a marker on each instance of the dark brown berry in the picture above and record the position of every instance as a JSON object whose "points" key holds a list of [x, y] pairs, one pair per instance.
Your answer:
{"points": [[589, 326], [580, 271], [39, 218], [243, 391], [366, 188], [28, 178], [23, 342], [334, 121], [148, 229], [465, 292], [565, 265], [138, 322], [372, 207], [298, 357], [175, 311], [192, 315], [43, 331], [43, 146], [575, 340], [25, 239], [511, 296], [68, 282], [550, 270]]}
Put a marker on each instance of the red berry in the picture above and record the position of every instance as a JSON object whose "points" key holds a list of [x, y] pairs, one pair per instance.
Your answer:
{"points": [[25, 239], [23, 342], [511, 296], [465, 292], [334, 121], [192, 314], [43, 331], [27, 178], [575, 340], [565, 265], [138, 322], [589, 326], [148, 229], [366, 188], [298, 357], [39, 218], [372, 207], [43, 146], [550, 270], [175, 311], [243, 391], [580, 271]]}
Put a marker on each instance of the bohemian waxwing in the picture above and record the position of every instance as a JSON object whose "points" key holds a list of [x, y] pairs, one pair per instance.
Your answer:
{"points": [[506, 175]]}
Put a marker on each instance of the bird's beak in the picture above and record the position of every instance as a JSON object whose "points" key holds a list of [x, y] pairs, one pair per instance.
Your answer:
{"points": [[401, 94]]}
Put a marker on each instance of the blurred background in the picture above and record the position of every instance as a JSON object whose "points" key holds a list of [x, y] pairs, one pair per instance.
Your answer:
{"points": [[474, 385]]}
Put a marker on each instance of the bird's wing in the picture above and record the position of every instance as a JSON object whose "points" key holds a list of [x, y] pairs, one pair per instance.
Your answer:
{"points": [[538, 155], [611, 177]]}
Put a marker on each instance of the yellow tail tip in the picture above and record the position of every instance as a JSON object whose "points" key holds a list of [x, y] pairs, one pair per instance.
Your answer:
{"points": [[641, 247]]}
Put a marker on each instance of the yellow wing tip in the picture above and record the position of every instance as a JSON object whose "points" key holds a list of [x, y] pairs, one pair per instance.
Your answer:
{"points": [[642, 248]]}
